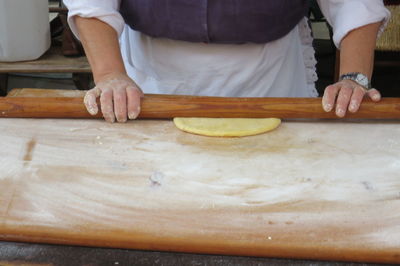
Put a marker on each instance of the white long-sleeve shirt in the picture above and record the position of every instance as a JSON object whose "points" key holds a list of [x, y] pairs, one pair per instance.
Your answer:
{"points": [[282, 68]]}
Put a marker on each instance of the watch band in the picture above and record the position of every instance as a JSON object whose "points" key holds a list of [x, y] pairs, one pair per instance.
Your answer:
{"points": [[360, 78]]}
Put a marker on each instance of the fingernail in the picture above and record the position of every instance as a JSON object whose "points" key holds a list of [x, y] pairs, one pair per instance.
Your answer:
{"points": [[327, 107], [134, 115], [353, 106], [340, 112], [376, 97], [92, 110], [110, 119], [121, 119]]}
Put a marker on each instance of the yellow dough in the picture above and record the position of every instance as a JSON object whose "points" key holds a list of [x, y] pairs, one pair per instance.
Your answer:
{"points": [[226, 127]]}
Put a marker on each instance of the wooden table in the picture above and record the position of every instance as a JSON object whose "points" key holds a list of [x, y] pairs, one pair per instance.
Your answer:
{"points": [[51, 62], [309, 190]]}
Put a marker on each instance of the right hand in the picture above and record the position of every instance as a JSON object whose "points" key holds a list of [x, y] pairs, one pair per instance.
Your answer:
{"points": [[119, 98]]}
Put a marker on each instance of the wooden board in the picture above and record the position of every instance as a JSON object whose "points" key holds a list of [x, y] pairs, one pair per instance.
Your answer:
{"points": [[307, 190]]}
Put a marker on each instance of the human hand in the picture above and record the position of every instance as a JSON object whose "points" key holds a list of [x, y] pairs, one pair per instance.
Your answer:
{"points": [[347, 95], [119, 98]]}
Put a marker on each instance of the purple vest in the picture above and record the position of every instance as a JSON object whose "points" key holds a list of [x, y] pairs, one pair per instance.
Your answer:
{"points": [[214, 21]]}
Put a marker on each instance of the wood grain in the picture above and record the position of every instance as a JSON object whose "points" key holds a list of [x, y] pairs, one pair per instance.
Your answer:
{"points": [[169, 106], [306, 190]]}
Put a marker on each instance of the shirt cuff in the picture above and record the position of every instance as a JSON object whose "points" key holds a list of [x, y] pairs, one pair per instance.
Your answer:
{"points": [[112, 18], [360, 14]]}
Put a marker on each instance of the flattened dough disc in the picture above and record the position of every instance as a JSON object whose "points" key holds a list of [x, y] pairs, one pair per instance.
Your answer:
{"points": [[226, 127]]}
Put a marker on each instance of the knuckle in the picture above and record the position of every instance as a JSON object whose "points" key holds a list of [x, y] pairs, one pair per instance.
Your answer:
{"points": [[346, 92], [131, 90], [106, 97], [330, 88], [346, 89], [104, 102], [360, 89], [106, 109], [119, 97]]}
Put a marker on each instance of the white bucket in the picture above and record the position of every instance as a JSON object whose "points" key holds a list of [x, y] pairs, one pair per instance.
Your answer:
{"points": [[24, 29]]}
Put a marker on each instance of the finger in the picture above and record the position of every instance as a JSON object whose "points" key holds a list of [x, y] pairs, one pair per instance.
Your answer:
{"points": [[134, 95], [374, 94], [120, 105], [90, 100], [343, 101], [107, 106], [328, 100], [356, 99]]}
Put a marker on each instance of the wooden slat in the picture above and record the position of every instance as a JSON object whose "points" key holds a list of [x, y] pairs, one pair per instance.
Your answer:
{"points": [[51, 62], [35, 92], [169, 106]]}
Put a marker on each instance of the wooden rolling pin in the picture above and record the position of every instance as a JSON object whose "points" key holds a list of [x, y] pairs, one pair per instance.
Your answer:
{"points": [[169, 106]]}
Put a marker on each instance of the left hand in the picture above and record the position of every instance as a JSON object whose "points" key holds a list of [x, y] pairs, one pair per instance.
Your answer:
{"points": [[346, 95]]}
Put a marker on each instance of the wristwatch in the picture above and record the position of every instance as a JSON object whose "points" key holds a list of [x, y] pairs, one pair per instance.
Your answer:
{"points": [[359, 78]]}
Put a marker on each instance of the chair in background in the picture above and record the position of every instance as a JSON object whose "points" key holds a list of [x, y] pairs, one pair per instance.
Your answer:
{"points": [[389, 42]]}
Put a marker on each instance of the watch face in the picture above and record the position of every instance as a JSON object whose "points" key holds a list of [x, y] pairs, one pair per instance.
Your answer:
{"points": [[359, 78], [362, 80]]}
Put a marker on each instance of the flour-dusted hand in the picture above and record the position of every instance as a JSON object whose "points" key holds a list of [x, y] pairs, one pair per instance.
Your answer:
{"points": [[119, 94], [356, 67], [346, 95], [119, 98]]}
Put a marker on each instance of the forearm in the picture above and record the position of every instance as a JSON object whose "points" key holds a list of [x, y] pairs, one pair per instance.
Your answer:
{"points": [[101, 45], [357, 50], [356, 55], [119, 94]]}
